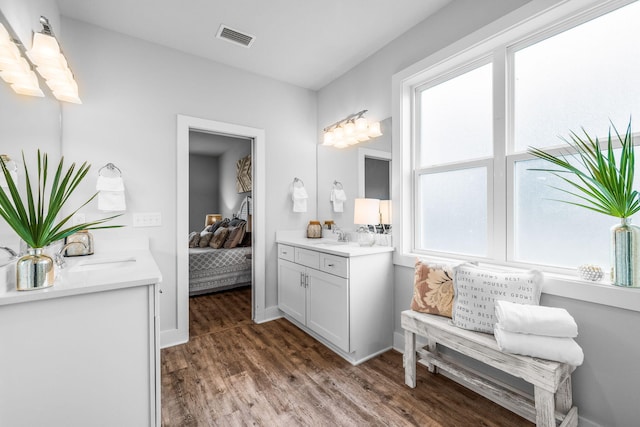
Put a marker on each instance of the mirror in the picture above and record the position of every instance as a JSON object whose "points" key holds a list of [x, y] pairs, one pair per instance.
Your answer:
{"points": [[347, 166], [26, 124]]}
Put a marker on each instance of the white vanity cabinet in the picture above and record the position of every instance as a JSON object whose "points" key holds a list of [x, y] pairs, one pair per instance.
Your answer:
{"points": [[342, 300], [85, 351]]}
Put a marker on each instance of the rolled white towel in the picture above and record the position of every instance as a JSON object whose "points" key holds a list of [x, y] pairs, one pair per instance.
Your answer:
{"points": [[535, 319], [560, 349]]}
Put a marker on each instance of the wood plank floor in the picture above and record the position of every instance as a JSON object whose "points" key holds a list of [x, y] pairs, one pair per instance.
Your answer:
{"points": [[236, 373]]}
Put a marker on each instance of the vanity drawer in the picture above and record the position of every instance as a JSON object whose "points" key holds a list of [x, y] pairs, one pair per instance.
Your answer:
{"points": [[308, 258], [335, 265], [286, 252]]}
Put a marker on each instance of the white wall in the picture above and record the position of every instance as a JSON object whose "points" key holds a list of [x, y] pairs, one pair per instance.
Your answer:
{"points": [[132, 91], [605, 386]]}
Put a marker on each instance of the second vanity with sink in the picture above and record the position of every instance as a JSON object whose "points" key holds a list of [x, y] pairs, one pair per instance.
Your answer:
{"points": [[340, 293], [85, 350]]}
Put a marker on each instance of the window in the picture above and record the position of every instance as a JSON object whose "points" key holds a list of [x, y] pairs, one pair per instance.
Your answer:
{"points": [[473, 117], [455, 157]]}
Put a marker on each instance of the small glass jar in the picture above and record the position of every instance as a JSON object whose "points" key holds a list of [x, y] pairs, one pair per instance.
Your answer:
{"points": [[314, 230]]}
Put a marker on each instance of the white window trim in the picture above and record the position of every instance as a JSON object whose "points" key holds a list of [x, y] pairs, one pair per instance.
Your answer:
{"points": [[528, 19]]}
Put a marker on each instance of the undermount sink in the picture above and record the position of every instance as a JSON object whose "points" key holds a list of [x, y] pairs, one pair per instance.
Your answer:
{"points": [[102, 264]]}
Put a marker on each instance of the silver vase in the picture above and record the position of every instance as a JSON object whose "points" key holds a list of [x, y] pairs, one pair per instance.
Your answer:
{"points": [[34, 271], [625, 269]]}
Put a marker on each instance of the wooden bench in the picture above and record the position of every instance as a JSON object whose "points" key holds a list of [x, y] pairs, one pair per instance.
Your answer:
{"points": [[552, 401]]}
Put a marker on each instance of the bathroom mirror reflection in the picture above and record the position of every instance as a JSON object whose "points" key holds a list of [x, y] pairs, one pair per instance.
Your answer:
{"points": [[361, 169], [27, 123]]}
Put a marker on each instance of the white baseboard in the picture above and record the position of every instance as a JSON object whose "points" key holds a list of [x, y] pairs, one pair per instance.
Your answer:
{"points": [[172, 337], [268, 314]]}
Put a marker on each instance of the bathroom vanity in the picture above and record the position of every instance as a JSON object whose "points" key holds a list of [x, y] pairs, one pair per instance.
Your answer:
{"points": [[85, 351], [339, 293]]}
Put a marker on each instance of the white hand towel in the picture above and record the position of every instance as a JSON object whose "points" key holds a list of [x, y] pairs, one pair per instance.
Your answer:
{"points": [[564, 350], [111, 201], [108, 183], [535, 319], [299, 197], [110, 193], [338, 198]]}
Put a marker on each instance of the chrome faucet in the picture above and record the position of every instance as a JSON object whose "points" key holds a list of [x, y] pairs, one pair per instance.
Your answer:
{"points": [[342, 236], [59, 257], [10, 251]]}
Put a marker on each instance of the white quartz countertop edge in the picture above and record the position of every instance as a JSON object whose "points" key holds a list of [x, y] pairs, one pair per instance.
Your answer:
{"points": [[144, 271], [331, 246]]}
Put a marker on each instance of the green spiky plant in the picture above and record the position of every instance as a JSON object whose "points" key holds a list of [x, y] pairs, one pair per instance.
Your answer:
{"points": [[35, 221], [602, 183]]}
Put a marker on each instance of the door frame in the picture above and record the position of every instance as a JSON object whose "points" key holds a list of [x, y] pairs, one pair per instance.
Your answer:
{"points": [[258, 151]]}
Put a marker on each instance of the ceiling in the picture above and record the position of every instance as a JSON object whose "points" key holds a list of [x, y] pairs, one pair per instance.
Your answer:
{"points": [[307, 43]]}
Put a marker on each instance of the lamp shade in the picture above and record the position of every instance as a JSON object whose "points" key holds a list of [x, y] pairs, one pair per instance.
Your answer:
{"points": [[366, 211], [385, 212]]}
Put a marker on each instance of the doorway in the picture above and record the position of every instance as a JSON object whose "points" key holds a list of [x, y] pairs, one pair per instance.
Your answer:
{"points": [[185, 124]]}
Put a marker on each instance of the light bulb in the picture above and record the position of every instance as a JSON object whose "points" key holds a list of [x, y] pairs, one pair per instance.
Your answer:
{"points": [[328, 138], [374, 129]]}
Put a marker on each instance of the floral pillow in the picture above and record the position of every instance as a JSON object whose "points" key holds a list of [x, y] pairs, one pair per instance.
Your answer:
{"points": [[433, 288]]}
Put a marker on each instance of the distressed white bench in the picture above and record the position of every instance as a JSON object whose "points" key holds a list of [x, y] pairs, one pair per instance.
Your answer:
{"points": [[552, 401]]}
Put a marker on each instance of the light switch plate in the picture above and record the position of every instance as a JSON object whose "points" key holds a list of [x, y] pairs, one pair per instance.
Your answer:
{"points": [[147, 219]]}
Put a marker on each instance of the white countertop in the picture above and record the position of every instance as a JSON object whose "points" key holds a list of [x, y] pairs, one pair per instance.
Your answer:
{"points": [[329, 245], [87, 274]]}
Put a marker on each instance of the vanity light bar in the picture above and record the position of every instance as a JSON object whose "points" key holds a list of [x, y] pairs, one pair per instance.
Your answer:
{"points": [[14, 68], [52, 65], [351, 130]]}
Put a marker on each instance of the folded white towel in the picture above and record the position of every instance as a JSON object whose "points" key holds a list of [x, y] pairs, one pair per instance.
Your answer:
{"points": [[299, 196], [535, 319], [111, 201], [564, 350], [108, 183], [338, 198]]}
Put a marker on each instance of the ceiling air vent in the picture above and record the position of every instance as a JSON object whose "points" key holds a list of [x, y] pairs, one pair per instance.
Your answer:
{"points": [[235, 36]]}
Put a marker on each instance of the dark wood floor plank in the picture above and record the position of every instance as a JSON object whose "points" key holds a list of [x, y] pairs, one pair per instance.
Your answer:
{"points": [[233, 372]]}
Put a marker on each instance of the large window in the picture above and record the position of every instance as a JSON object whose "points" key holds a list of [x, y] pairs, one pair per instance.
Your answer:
{"points": [[455, 155], [475, 192]]}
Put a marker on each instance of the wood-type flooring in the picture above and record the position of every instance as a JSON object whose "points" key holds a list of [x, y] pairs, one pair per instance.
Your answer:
{"points": [[233, 372]]}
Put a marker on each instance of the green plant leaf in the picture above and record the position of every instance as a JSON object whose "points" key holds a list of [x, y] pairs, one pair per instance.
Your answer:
{"points": [[602, 181]]}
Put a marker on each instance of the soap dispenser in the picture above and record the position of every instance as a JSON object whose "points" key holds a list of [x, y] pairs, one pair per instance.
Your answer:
{"points": [[84, 237]]}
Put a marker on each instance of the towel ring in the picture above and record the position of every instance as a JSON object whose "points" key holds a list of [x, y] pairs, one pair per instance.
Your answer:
{"points": [[337, 185], [110, 167], [298, 181]]}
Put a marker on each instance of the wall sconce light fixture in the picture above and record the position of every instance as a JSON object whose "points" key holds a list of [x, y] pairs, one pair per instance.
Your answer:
{"points": [[52, 65], [14, 68], [351, 130]]}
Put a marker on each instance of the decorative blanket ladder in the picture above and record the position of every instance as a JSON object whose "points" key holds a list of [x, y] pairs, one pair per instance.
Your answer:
{"points": [[552, 402]]}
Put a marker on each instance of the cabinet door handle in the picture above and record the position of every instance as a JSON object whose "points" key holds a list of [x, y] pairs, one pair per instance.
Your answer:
{"points": [[331, 265], [301, 279], [306, 280]]}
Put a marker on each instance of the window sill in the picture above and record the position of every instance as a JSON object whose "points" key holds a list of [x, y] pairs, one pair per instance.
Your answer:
{"points": [[563, 286]]}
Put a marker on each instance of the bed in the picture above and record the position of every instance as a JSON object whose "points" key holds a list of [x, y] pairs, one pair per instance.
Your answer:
{"points": [[220, 255], [213, 270]]}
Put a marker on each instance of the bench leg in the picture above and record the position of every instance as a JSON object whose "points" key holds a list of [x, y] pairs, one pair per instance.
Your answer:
{"points": [[433, 349], [409, 359], [564, 396], [545, 408]]}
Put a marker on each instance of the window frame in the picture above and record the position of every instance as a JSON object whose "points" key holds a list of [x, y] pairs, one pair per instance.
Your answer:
{"points": [[527, 25]]}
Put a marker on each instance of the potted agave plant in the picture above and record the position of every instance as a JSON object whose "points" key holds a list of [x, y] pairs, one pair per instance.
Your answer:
{"points": [[604, 184], [34, 218]]}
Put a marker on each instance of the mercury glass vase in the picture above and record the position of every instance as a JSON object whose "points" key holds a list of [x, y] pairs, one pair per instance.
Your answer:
{"points": [[625, 238], [34, 271]]}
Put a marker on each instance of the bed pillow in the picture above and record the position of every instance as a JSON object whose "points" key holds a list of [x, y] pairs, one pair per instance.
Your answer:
{"points": [[194, 239], [205, 239], [433, 288], [236, 234], [477, 288], [219, 237]]}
